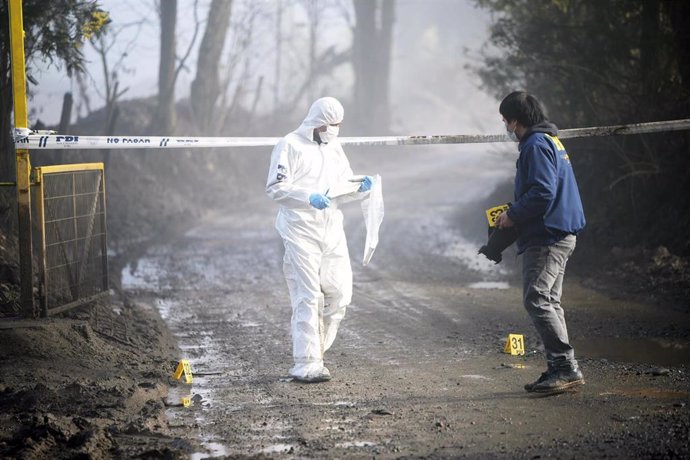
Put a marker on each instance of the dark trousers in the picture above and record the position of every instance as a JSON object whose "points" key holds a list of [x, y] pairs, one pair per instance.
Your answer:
{"points": [[543, 268]]}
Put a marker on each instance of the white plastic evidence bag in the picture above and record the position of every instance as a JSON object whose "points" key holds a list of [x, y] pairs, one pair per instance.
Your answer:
{"points": [[372, 209]]}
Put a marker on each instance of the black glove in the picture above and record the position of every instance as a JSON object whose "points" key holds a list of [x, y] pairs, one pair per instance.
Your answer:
{"points": [[499, 240]]}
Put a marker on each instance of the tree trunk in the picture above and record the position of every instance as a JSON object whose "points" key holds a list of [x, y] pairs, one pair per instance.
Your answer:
{"points": [[165, 119], [205, 88], [649, 59], [66, 114], [371, 63], [7, 155], [279, 55], [7, 161], [385, 40], [679, 12], [312, 7]]}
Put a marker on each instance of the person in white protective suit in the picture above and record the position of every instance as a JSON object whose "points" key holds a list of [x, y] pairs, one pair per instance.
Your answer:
{"points": [[305, 165]]}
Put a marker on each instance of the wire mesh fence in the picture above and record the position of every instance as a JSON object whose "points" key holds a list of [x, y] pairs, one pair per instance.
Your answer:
{"points": [[72, 217]]}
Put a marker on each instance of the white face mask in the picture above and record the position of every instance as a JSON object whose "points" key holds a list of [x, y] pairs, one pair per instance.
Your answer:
{"points": [[511, 134], [330, 134]]}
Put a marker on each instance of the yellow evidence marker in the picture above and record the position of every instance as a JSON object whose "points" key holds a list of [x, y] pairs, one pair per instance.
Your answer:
{"points": [[183, 367], [515, 345], [493, 213], [186, 401]]}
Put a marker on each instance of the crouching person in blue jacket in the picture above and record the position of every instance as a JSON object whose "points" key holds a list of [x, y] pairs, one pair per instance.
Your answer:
{"points": [[547, 212]]}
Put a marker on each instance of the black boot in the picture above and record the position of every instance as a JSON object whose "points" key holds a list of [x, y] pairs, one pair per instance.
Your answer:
{"points": [[560, 380], [545, 375]]}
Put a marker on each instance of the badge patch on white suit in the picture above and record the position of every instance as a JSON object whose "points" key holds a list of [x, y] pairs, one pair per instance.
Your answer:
{"points": [[282, 173]]}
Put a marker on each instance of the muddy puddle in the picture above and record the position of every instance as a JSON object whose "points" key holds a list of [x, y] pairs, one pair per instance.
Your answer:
{"points": [[417, 365], [489, 285], [214, 450], [652, 351]]}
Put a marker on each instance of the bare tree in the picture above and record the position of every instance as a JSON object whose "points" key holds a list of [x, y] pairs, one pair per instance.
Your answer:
{"points": [[106, 45], [279, 55], [170, 65], [111, 85], [371, 62], [205, 88], [238, 65], [66, 114], [320, 63], [84, 99], [164, 118], [313, 14]]}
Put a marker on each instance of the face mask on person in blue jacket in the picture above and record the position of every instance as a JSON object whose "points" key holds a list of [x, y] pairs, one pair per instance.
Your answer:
{"points": [[511, 134], [513, 137]]}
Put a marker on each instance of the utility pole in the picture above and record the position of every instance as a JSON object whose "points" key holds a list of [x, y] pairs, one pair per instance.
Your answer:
{"points": [[21, 124]]}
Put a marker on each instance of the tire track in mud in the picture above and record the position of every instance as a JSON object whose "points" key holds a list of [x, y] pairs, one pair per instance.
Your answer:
{"points": [[412, 300], [417, 364], [225, 298]]}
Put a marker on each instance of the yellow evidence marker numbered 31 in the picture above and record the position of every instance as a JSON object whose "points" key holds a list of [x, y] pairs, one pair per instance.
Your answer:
{"points": [[493, 213], [183, 367], [515, 345]]}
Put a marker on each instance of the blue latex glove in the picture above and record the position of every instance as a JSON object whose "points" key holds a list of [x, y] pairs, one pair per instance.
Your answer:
{"points": [[366, 184], [319, 201]]}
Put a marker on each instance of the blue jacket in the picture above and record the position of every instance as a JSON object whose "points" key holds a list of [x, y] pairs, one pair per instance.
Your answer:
{"points": [[547, 204]]}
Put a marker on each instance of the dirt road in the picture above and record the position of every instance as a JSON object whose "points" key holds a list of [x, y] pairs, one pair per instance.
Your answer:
{"points": [[418, 365]]}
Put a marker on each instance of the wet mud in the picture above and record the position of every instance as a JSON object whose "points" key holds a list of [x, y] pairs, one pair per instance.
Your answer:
{"points": [[418, 368], [418, 365], [91, 384]]}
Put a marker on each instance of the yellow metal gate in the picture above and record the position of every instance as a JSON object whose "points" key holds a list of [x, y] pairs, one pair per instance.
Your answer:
{"points": [[72, 225]]}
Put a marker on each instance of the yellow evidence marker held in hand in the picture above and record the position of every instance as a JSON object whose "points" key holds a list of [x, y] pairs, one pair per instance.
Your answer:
{"points": [[493, 213]]}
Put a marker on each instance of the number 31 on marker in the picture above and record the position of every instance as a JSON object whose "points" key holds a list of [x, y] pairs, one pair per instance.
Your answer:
{"points": [[515, 345]]}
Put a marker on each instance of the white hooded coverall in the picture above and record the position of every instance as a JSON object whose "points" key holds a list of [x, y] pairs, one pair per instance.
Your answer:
{"points": [[316, 264]]}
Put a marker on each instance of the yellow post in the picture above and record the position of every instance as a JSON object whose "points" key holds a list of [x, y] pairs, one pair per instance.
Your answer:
{"points": [[21, 120]]}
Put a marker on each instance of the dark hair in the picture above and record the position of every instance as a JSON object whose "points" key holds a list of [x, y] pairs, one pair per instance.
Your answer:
{"points": [[523, 107]]}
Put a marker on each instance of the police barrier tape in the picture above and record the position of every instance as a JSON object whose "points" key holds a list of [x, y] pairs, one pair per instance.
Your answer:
{"points": [[60, 141]]}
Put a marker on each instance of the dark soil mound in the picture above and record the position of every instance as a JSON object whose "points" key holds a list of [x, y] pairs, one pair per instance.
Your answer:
{"points": [[92, 385]]}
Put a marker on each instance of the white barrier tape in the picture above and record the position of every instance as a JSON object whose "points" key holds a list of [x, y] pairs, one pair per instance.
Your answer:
{"points": [[35, 142], [632, 128], [43, 142], [138, 142]]}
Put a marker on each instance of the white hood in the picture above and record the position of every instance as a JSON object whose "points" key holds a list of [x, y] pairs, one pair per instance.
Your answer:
{"points": [[324, 111]]}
